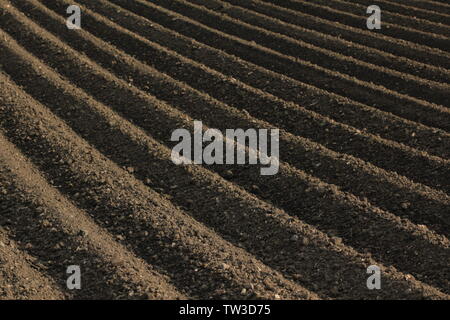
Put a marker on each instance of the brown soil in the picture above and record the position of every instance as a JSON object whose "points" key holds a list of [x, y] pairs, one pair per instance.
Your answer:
{"points": [[86, 176]]}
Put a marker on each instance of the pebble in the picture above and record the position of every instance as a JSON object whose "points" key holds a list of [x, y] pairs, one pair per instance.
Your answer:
{"points": [[405, 205], [294, 237], [229, 173]]}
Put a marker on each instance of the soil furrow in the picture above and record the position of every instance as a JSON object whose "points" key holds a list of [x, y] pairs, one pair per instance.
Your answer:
{"points": [[302, 157], [387, 100], [96, 123], [342, 46], [59, 235], [389, 18], [398, 47], [401, 164], [301, 152], [340, 109], [194, 257], [255, 39], [20, 278], [380, 219], [262, 30], [400, 32], [87, 176], [250, 215]]}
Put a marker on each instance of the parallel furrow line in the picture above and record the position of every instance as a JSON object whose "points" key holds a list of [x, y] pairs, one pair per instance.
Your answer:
{"points": [[383, 218], [302, 153], [53, 230], [385, 99], [244, 10], [307, 261], [399, 47], [395, 31], [388, 18], [306, 97], [262, 30], [164, 236]]}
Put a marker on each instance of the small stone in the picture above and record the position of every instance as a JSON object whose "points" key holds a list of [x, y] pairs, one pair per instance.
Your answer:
{"points": [[130, 169], [244, 291], [297, 276], [229, 173], [405, 205], [277, 297], [294, 237]]}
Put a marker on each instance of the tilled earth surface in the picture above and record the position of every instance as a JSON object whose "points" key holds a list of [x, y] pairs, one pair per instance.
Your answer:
{"points": [[86, 176]]}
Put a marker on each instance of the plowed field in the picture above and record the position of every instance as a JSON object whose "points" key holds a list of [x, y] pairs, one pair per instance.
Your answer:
{"points": [[86, 175]]}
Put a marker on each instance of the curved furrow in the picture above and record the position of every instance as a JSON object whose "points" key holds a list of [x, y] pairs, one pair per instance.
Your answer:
{"points": [[307, 265], [406, 9], [262, 30], [302, 153], [343, 110], [398, 47], [51, 229], [194, 257], [351, 210], [427, 39], [244, 10], [408, 107], [114, 122], [434, 176], [269, 52], [142, 79], [389, 19], [20, 277]]}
